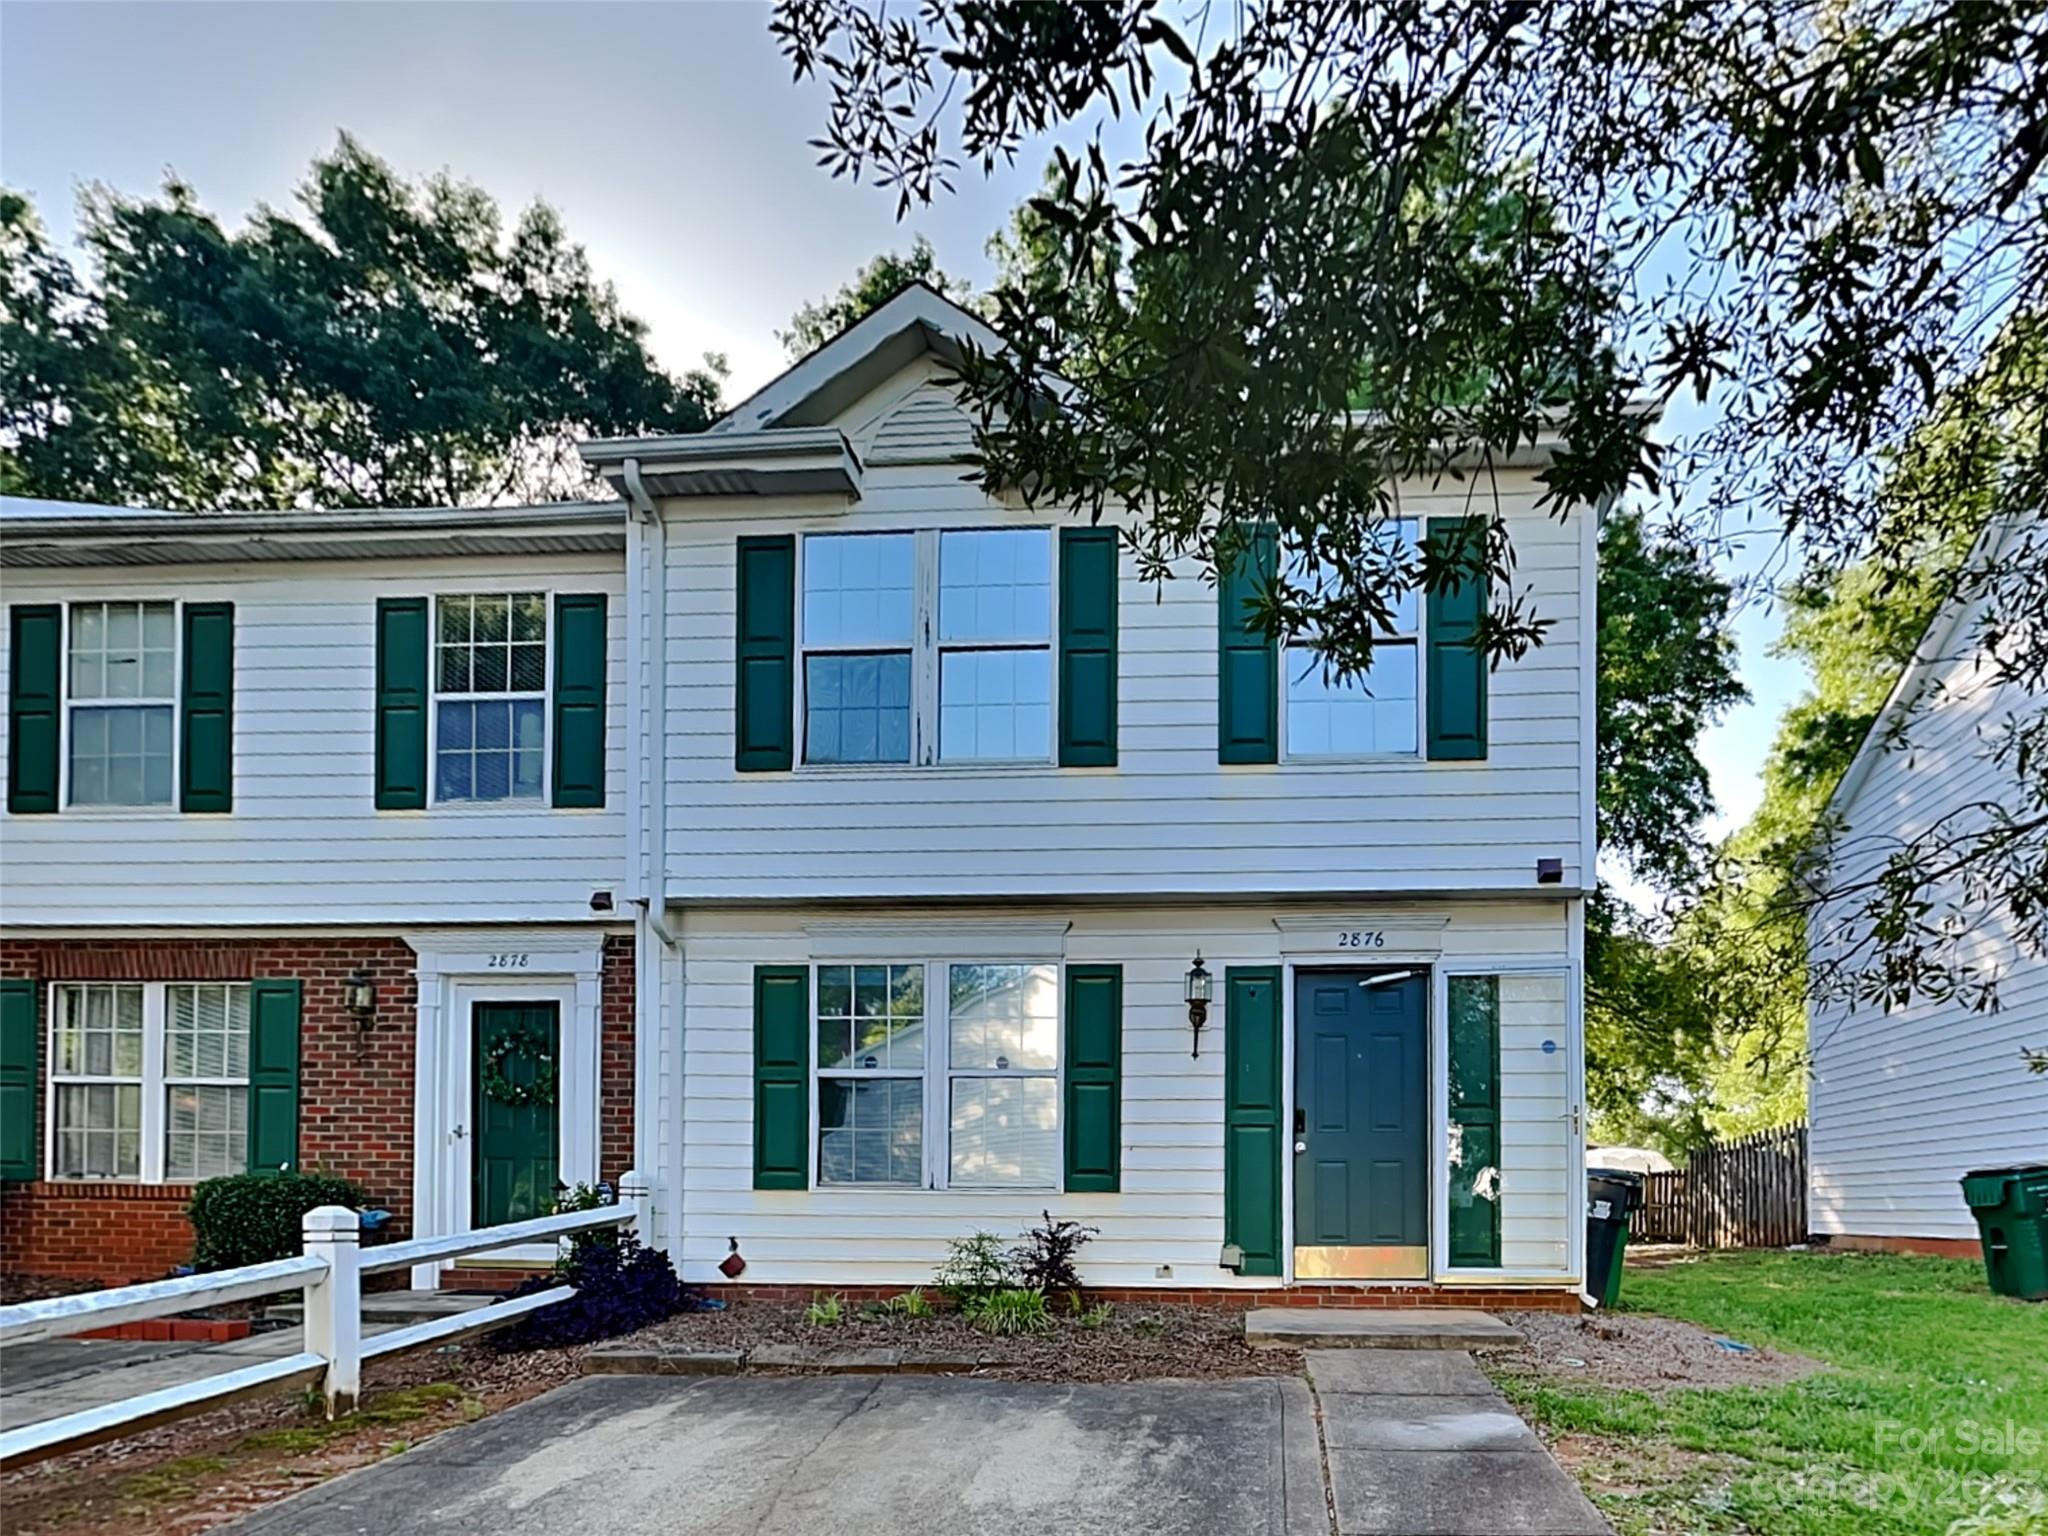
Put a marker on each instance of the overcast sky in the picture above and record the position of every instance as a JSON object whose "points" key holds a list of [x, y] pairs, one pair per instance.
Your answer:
{"points": [[669, 136]]}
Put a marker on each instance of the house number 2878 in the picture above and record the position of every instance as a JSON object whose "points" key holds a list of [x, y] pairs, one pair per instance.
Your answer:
{"points": [[509, 962], [1361, 938]]}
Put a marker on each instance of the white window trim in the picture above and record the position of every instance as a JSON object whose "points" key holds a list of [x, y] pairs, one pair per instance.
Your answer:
{"points": [[66, 703], [545, 799], [925, 649], [153, 1082], [937, 1076], [1419, 639]]}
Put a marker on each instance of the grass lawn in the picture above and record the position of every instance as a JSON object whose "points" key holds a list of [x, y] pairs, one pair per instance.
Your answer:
{"points": [[1934, 1418]]}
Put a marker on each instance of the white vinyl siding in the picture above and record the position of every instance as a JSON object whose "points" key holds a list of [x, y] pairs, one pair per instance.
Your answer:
{"points": [[1902, 1104], [1168, 818], [306, 843], [1165, 1227]]}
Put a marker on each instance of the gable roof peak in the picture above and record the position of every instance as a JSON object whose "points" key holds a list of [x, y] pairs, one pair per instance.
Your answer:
{"points": [[914, 321]]}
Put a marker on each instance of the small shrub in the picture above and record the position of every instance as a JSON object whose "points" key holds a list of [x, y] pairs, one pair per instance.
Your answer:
{"points": [[621, 1286], [1008, 1312], [912, 1303], [826, 1312], [1088, 1317], [975, 1266], [581, 1197], [254, 1218], [1044, 1261]]}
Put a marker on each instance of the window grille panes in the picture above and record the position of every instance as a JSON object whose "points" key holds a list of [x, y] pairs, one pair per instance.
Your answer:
{"points": [[995, 657], [1376, 712], [871, 1054], [857, 708], [490, 725], [1002, 1040], [995, 705], [858, 630], [206, 1070], [96, 1081], [122, 660]]}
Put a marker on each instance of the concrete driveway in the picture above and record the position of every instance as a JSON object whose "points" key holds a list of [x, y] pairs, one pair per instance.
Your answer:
{"points": [[813, 1456], [1415, 1443]]}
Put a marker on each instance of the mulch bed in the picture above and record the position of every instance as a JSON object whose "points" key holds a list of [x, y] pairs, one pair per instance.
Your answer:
{"points": [[1635, 1349], [1135, 1344]]}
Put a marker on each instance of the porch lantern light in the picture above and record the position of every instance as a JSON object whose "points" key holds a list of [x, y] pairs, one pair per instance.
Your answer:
{"points": [[359, 996], [1198, 1001]]}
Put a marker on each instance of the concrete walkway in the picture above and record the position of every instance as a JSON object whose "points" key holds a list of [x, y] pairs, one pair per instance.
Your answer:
{"points": [[1417, 1443], [1420, 1444]]}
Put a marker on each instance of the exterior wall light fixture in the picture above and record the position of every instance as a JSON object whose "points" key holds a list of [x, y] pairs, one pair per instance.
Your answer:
{"points": [[1198, 992]]}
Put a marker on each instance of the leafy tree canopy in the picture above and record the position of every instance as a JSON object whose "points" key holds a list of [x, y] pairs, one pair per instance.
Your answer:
{"points": [[392, 345], [880, 280], [1823, 218]]}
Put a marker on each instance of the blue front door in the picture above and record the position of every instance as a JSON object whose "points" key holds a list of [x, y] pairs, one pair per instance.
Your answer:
{"points": [[1361, 1170]]}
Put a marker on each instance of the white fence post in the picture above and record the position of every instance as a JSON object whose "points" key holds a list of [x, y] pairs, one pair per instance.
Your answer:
{"points": [[334, 1303], [637, 1194]]}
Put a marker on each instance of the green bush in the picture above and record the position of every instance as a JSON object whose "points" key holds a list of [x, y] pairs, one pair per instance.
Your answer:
{"points": [[253, 1218], [975, 1266], [1008, 1312]]}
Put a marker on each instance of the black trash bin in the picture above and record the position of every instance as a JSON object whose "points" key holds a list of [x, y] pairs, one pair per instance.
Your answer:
{"points": [[1612, 1196]]}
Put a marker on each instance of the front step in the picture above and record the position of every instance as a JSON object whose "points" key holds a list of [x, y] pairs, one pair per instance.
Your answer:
{"points": [[1374, 1328]]}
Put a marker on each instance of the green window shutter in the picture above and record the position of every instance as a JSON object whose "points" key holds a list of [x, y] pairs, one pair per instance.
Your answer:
{"points": [[1095, 1056], [782, 1076], [1475, 1120], [580, 644], [401, 703], [1253, 1115], [765, 668], [34, 701], [1088, 596], [1457, 667], [273, 1076], [18, 1037], [206, 703], [1248, 662]]}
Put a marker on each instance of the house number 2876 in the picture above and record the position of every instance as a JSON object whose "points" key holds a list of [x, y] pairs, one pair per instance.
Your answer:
{"points": [[509, 962], [1361, 938]]}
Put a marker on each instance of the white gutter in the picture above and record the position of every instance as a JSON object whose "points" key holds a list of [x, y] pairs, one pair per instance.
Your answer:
{"points": [[654, 944]]}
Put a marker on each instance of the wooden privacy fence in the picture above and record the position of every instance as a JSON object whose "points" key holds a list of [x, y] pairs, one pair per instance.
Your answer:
{"points": [[1746, 1193]]}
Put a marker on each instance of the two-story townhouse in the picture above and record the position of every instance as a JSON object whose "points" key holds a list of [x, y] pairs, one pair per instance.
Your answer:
{"points": [[968, 875], [987, 878], [312, 855]]}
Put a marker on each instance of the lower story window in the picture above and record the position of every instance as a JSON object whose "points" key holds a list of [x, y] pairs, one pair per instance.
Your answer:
{"points": [[148, 1082], [934, 1075]]}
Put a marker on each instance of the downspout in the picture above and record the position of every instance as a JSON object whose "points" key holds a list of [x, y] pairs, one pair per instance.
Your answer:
{"points": [[655, 946]]}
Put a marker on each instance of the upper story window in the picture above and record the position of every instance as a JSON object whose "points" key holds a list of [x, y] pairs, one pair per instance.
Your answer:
{"points": [[995, 645], [923, 647], [123, 695], [859, 632], [490, 696], [149, 1081], [1377, 713]]}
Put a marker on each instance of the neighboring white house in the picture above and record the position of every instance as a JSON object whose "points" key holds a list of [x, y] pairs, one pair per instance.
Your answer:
{"points": [[1902, 1104], [853, 838]]}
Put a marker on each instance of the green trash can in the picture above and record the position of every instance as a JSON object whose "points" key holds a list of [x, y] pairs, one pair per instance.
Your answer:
{"points": [[2011, 1207], [1612, 1194]]}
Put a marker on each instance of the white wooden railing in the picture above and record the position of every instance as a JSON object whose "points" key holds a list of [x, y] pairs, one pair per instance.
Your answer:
{"points": [[330, 1272]]}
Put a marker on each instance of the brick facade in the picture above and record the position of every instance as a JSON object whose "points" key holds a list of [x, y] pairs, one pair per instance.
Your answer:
{"points": [[1498, 1299], [355, 1090]]}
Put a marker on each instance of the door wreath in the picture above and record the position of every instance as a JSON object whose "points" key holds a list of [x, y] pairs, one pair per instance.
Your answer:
{"points": [[534, 1044]]}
